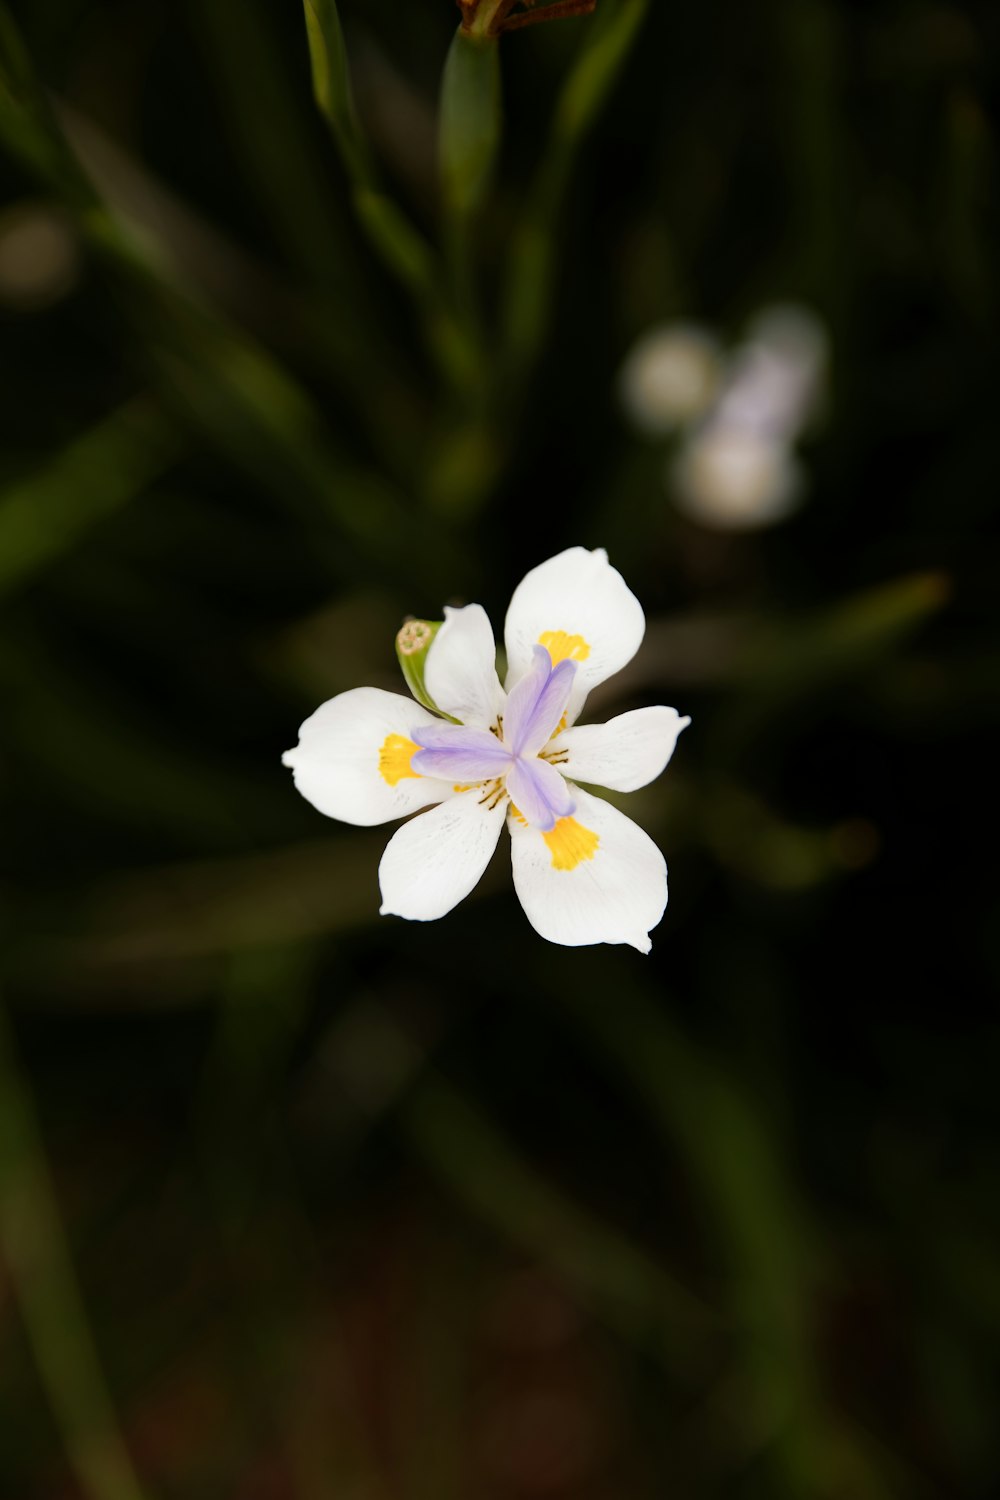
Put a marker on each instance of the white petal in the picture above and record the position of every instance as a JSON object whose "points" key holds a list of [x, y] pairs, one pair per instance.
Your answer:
{"points": [[336, 762], [602, 880], [434, 861], [577, 606], [626, 753], [461, 672]]}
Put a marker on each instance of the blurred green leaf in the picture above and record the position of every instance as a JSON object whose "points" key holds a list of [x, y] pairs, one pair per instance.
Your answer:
{"points": [[399, 245], [38, 1258], [791, 660], [328, 58], [605, 45], [227, 383], [636, 1295], [470, 123], [735, 1162], [93, 752], [46, 513], [27, 124], [147, 927], [269, 126]]}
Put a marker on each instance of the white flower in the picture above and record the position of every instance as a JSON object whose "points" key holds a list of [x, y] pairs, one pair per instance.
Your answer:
{"points": [[737, 470], [775, 377], [670, 377], [583, 871], [735, 479]]}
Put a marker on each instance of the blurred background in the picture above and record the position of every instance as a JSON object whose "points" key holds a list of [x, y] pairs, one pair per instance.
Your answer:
{"points": [[300, 1202]]}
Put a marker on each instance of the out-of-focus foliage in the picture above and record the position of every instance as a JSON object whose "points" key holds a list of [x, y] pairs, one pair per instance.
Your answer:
{"points": [[300, 1202]]}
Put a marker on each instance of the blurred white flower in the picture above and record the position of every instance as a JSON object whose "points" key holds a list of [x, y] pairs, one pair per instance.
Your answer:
{"points": [[479, 755], [735, 479], [774, 378], [670, 377], [737, 469]]}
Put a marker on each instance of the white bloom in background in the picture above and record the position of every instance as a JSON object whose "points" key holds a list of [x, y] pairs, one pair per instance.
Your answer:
{"points": [[737, 470], [774, 378], [583, 871], [670, 377], [735, 479]]}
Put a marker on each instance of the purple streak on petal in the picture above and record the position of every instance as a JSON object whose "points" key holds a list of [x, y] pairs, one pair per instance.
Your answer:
{"points": [[537, 703], [540, 793], [458, 754]]}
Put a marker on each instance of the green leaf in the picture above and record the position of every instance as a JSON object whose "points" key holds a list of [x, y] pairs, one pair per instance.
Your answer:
{"points": [[39, 1268], [838, 642], [534, 253], [331, 80], [401, 247], [607, 44], [328, 56], [28, 126], [44, 514], [470, 122]]}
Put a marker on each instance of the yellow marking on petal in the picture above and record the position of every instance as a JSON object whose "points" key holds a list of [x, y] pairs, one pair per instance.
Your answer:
{"points": [[570, 844], [562, 647], [394, 759]]}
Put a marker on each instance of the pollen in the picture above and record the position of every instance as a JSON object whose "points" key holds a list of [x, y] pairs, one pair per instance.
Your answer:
{"points": [[394, 759], [563, 647], [570, 844]]}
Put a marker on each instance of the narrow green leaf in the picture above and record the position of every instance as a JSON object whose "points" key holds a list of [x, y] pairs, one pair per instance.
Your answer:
{"points": [[45, 514], [37, 1257], [842, 640], [401, 247], [28, 126], [328, 57], [607, 43], [470, 122], [633, 1291], [792, 661], [533, 259]]}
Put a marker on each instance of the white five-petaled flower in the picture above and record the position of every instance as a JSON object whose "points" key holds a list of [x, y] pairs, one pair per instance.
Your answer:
{"points": [[583, 871]]}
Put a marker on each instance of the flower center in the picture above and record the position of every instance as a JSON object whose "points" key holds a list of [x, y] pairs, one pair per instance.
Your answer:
{"points": [[513, 753]]}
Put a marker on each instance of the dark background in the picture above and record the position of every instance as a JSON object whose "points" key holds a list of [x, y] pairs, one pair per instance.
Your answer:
{"points": [[298, 1201]]}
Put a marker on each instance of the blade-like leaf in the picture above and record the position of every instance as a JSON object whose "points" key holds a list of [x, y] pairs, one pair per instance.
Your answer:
{"points": [[470, 122], [44, 514]]}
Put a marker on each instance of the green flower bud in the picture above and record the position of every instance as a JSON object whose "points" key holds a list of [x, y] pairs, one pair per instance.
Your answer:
{"points": [[413, 642]]}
